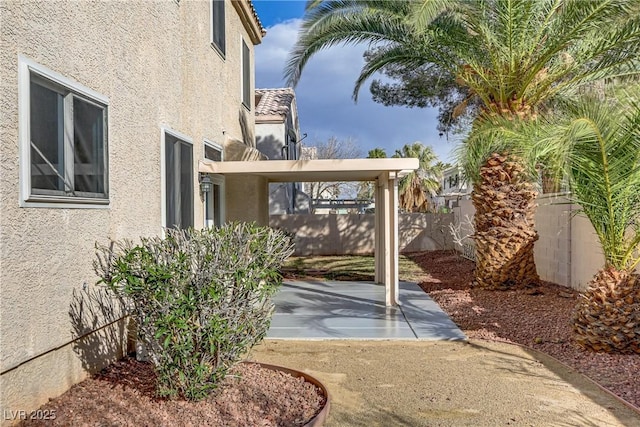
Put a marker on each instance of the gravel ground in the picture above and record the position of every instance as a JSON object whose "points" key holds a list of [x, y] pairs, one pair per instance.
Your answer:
{"points": [[539, 318]]}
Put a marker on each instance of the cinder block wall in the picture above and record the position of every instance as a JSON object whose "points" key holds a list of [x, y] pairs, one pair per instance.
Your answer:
{"points": [[586, 253], [354, 234], [568, 252], [553, 249]]}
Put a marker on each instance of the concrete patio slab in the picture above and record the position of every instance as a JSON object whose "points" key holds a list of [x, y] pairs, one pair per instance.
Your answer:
{"points": [[320, 310]]}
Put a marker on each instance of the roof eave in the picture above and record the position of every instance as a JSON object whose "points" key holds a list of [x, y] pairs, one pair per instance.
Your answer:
{"points": [[264, 119], [250, 20]]}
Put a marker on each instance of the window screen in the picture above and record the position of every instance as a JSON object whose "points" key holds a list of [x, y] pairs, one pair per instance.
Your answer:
{"points": [[68, 154], [246, 76], [218, 25], [178, 183]]}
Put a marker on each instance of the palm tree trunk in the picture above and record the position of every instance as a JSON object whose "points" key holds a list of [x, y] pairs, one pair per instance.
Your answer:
{"points": [[607, 318], [505, 203]]}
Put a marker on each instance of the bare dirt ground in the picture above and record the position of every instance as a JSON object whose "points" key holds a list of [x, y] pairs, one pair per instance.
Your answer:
{"points": [[400, 383], [536, 317]]}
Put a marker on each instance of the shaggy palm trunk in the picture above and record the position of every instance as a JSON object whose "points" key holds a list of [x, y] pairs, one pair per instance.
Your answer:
{"points": [[607, 318], [505, 203]]}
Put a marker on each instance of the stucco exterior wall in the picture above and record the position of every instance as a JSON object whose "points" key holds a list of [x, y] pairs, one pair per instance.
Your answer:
{"points": [[155, 64], [247, 199], [354, 233], [270, 138]]}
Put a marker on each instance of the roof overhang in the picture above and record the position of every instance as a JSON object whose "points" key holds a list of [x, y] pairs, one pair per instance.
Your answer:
{"points": [[270, 119], [250, 20], [315, 170]]}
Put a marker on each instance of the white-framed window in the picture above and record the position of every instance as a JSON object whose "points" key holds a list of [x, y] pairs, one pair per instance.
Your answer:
{"points": [[218, 26], [63, 140], [214, 201], [213, 151], [177, 180], [246, 75]]}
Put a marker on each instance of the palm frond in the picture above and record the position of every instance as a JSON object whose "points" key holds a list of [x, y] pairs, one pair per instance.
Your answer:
{"points": [[331, 23], [425, 12], [601, 144], [527, 139]]}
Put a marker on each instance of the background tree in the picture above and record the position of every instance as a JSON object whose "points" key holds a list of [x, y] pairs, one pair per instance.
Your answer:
{"points": [[333, 148], [365, 189], [377, 153], [425, 86], [415, 190], [512, 59]]}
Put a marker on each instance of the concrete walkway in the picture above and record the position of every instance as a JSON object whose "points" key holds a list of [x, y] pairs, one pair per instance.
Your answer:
{"points": [[319, 310]]}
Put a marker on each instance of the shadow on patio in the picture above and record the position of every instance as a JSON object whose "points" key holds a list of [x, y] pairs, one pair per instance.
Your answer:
{"points": [[356, 310]]}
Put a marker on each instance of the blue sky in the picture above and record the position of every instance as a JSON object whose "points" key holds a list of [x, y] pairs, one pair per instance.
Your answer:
{"points": [[274, 12], [323, 94]]}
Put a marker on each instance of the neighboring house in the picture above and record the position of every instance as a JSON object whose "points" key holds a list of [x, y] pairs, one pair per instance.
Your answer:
{"points": [[278, 138], [107, 109], [453, 188]]}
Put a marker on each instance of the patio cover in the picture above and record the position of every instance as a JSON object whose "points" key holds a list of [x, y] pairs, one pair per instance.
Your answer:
{"points": [[385, 172]]}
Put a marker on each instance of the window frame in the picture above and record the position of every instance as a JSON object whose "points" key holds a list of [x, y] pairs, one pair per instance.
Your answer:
{"points": [[219, 46], [54, 81], [245, 80], [215, 146], [164, 130], [217, 180]]}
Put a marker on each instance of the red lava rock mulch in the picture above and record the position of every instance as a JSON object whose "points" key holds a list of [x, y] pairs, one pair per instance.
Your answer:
{"points": [[123, 394]]}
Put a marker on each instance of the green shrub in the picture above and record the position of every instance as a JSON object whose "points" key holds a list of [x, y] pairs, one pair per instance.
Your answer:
{"points": [[201, 298]]}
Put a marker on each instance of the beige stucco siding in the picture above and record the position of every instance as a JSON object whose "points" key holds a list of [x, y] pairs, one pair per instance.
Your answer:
{"points": [[154, 62]]}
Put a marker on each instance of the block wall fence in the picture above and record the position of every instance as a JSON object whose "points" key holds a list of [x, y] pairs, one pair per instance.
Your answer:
{"points": [[567, 253], [340, 234]]}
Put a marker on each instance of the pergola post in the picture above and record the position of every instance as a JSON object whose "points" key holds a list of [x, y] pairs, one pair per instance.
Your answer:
{"points": [[395, 257], [386, 236], [378, 242], [389, 232]]}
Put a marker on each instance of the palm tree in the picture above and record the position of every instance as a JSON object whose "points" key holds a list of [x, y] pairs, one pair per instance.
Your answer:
{"points": [[377, 153], [515, 59], [603, 145], [597, 143], [414, 188]]}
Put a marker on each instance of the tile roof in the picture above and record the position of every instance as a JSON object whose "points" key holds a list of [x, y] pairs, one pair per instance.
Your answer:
{"points": [[256, 17], [274, 102]]}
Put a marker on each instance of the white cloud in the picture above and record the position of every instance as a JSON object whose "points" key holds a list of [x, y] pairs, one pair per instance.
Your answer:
{"points": [[326, 107]]}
